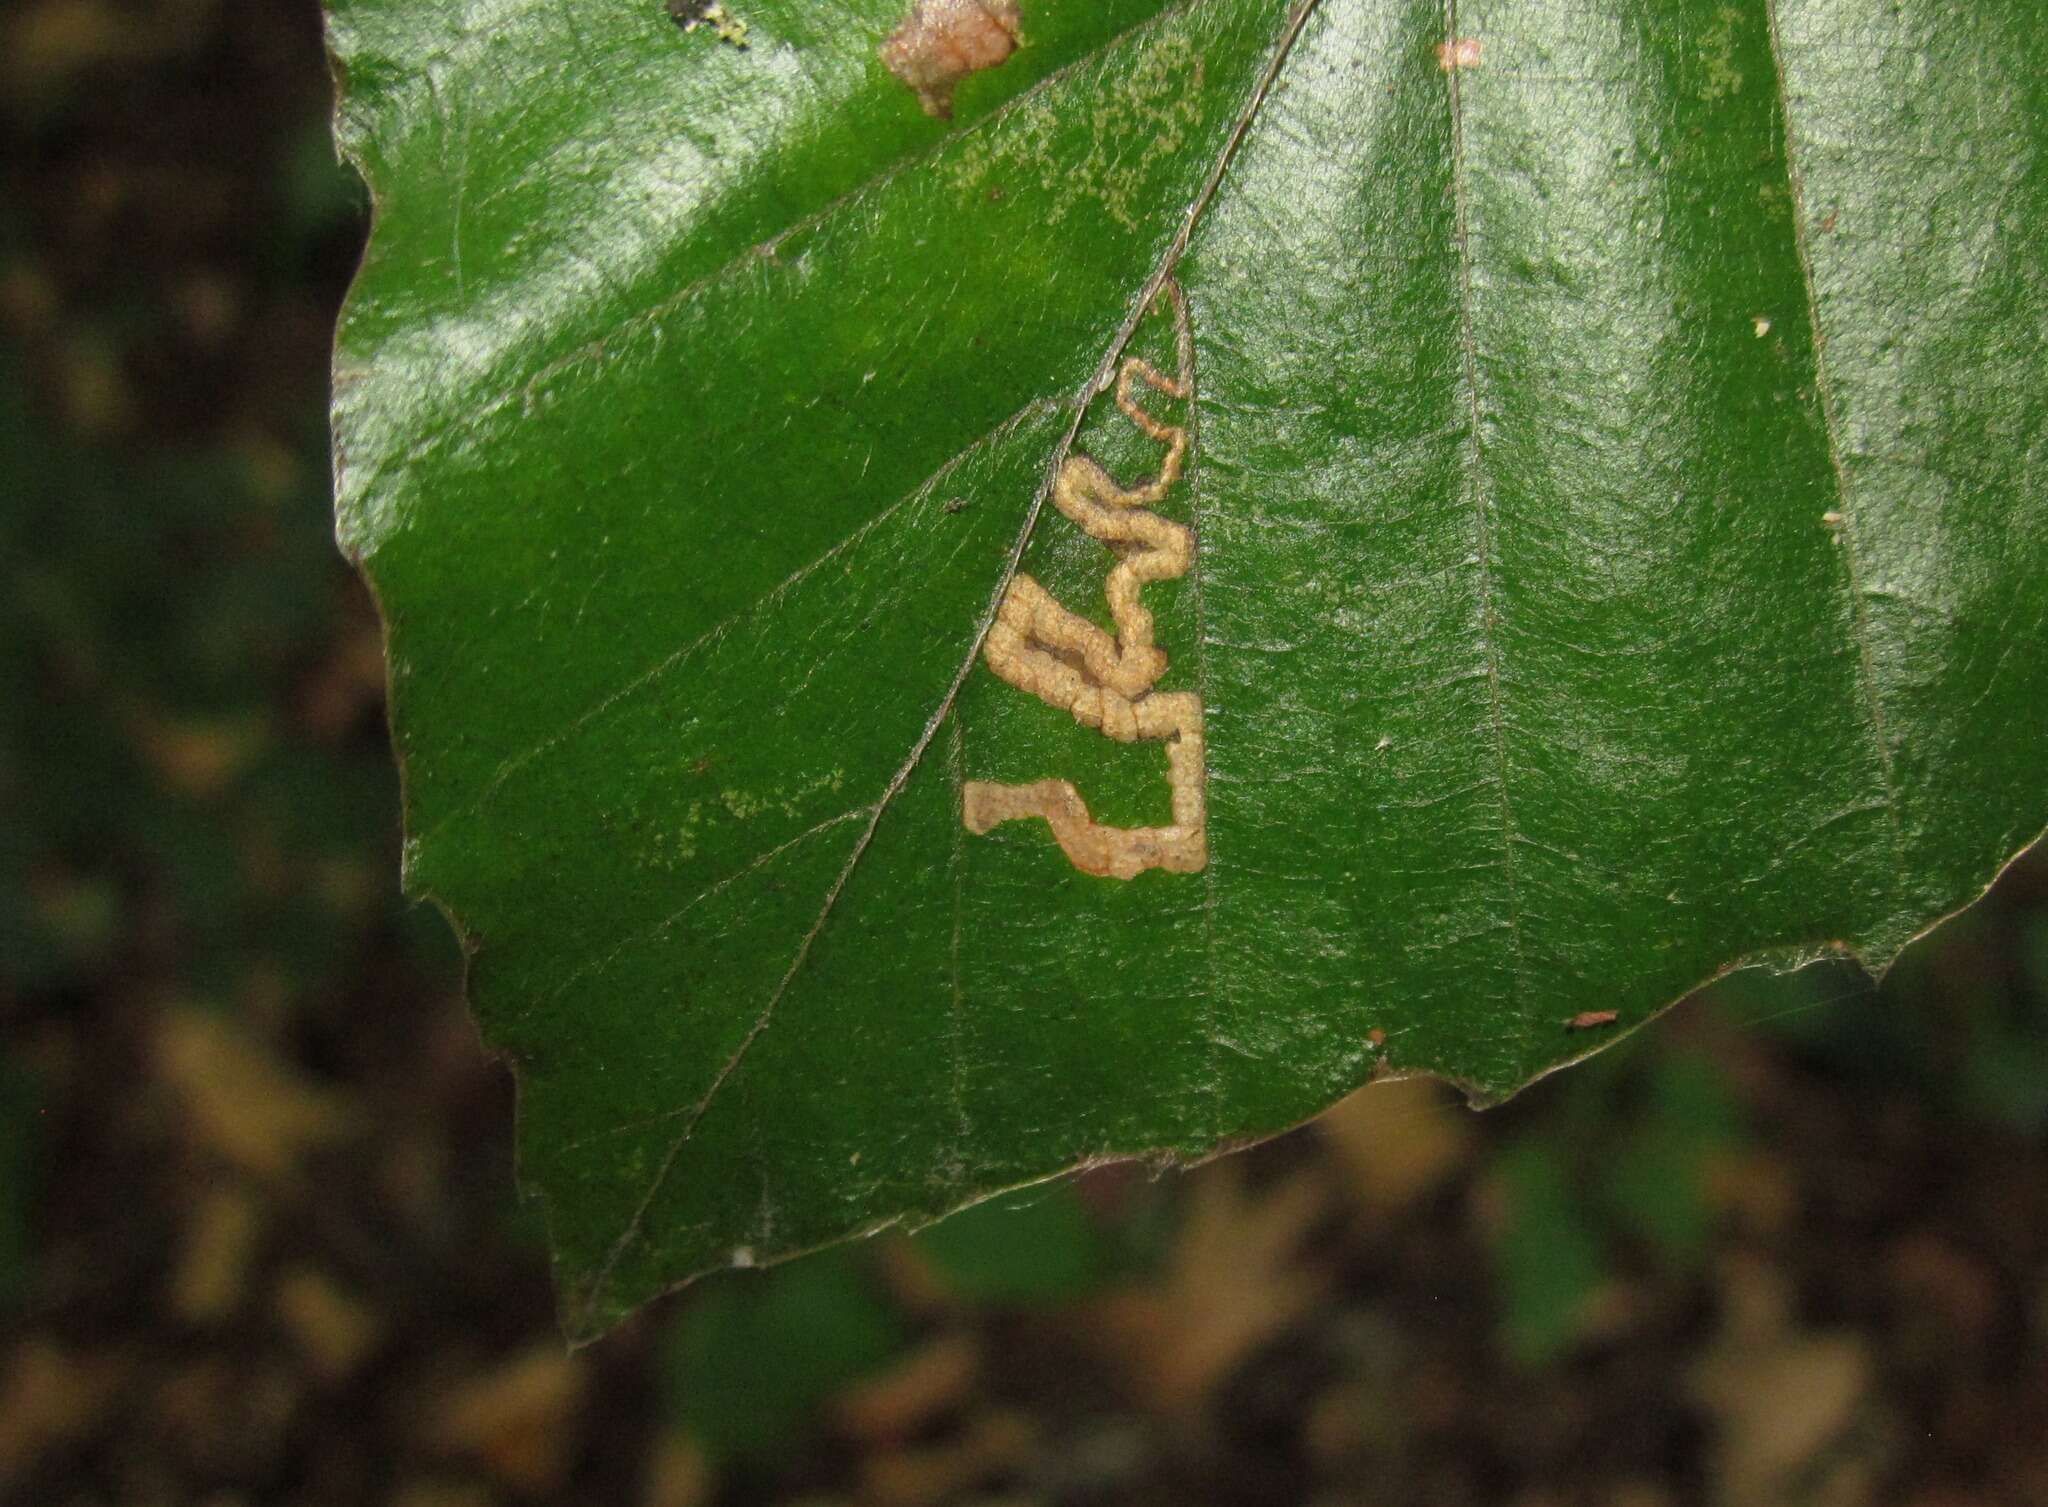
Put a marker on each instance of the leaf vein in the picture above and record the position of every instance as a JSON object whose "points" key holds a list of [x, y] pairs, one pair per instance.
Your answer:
{"points": [[597, 963], [697, 287], [1482, 515], [512, 764], [1831, 429]]}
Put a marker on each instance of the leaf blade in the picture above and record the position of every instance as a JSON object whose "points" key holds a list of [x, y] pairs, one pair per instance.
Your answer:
{"points": [[1549, 635]]}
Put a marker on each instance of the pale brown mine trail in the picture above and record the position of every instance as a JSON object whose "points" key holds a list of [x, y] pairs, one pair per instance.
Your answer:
{"points": [[1106, 680]]}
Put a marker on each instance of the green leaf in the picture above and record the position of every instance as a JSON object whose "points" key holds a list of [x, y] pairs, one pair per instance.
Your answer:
{"points": [[752, 1358], [1621, 552], [1034, 1247], [1653, 1179], [1549, 1263]]}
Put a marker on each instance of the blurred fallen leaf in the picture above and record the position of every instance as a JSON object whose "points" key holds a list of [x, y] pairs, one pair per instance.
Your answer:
{"points": [[991, 1444], [49, 46], [244, 1104], [1232, 1281], [1950, 1291], [678, 1474], [213, 1263], [516, 1421], [347, 686], [905, 1398], [1780, 1397], [1640, 1494], [335, 1331], [28, 298], [226, 1415], [1755, 1185], [50, 1396], [1778, 1410], [1399, 1138], [1359, 1428], [433, 1493], [198, 758], [92, 391]]}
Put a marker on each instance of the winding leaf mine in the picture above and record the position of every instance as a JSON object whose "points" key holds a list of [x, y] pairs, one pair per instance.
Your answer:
{"points": [[1107, 681]]}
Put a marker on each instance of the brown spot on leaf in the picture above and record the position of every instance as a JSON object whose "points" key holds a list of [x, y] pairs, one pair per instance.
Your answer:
{"points": [[1463, 53], [1398, 1140], [942, 41]]}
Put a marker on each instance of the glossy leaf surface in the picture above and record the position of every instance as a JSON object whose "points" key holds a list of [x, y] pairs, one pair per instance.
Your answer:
{"points": [[1621, 551]]}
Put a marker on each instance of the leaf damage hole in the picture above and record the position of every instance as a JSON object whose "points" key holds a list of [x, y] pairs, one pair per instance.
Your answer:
{"points": [[1106, 681], [941, 42]]}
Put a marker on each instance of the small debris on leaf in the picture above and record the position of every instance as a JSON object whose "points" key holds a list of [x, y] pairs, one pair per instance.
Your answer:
{"points": [[942, 41], [691, 14], [1586, 1020]]}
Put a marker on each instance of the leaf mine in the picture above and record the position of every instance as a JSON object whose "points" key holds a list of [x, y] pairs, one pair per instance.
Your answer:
{"points": [[1105, 681]]}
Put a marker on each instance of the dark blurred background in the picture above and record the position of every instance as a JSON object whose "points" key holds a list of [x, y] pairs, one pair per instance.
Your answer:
{"points": [[258, 1239]]}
